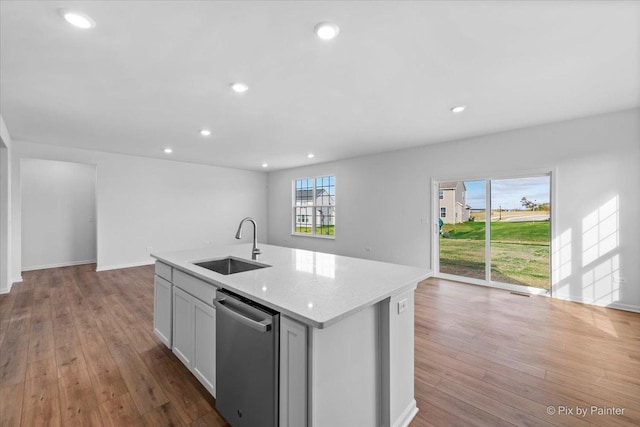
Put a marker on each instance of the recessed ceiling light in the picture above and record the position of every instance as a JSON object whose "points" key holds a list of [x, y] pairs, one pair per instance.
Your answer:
{"points": [[311, 155], [264, 165], [239, 87], [168, 150], [326, 30], [458, 109], [205, 132], [77, 19]]}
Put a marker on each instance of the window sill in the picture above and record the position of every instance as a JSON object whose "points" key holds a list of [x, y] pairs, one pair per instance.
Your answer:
{"points": [[317, 236]]}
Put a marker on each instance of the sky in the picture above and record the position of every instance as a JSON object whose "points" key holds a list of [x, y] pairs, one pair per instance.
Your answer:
{"points": [[506, 193]]}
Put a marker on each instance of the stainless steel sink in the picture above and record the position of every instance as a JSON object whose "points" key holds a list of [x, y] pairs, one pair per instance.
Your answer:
{"points": [[229, 265]]}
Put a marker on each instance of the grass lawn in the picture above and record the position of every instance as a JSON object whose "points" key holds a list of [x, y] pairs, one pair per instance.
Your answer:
{"points": [[327, 230], [519, 252], [512, 232], [462, 257]]}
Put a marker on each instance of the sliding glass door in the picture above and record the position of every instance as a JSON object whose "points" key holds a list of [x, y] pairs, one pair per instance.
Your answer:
{"points": [[495, 230], [462, 228]]}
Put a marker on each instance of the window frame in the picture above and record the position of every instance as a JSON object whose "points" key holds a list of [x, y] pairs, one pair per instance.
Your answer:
{"points": [[314, 206]]}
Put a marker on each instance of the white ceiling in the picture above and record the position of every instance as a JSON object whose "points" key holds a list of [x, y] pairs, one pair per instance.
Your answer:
{"points": [[150, 75]]}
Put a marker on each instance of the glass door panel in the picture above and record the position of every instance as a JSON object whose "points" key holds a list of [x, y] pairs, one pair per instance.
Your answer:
{"points": [[462, 207], [520, 231]]}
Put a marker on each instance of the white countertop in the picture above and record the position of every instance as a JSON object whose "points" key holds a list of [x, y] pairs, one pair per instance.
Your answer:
{"points": [[315, 288]]}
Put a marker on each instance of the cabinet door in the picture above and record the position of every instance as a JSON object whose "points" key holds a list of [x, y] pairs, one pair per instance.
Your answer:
{"points": [[293, 373], [182, 325], [162, 297], [204, 355]]}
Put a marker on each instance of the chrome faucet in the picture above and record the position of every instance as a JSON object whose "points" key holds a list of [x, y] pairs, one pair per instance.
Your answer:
{"points": [[255, 251]]}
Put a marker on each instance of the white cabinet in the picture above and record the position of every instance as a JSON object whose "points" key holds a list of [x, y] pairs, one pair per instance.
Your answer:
{"points": [[204, 348], [293, 373], [165, 271], [162, 313], [182, 326], [194, 337]]}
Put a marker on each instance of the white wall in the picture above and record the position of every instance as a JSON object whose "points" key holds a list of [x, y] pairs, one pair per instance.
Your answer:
{"points": [[143, 202], [383, 202], [5, 208], [58, 213]]}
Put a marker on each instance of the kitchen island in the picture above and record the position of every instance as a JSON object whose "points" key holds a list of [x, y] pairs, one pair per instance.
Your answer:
{"points": [[346, 329]]}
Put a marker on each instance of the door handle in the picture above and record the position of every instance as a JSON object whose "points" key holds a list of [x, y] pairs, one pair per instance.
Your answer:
{"points": [[260, 326]]}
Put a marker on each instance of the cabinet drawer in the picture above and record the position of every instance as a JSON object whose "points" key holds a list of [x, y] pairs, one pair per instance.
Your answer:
{"points": [[164, 271], [200, 289]]}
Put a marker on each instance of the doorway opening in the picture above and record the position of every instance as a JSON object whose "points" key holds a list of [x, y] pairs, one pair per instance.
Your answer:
{"points": [[495, 232], [58, 213]]}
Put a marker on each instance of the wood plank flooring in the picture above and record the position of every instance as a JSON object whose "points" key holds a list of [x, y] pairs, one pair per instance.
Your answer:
{"points": [[77, 348], [487, 357]]}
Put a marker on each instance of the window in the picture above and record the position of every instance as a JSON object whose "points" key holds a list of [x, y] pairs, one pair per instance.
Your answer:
{"points": [[314, 206], [441, 194], [443, 212]]}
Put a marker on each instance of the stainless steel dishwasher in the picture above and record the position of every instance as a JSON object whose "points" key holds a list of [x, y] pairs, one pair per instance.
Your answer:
{"points": [[247, 361]]}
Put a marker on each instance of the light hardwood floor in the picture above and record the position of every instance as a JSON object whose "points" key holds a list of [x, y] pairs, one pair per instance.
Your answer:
{"points": [[488, 357], [77, 348]]}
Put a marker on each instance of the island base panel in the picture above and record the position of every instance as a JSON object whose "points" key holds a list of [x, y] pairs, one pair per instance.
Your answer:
{"points": [[361, 368]]}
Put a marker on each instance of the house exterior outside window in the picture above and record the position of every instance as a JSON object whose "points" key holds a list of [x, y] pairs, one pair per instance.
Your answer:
{"points": [[314, 206], [452, 198]]}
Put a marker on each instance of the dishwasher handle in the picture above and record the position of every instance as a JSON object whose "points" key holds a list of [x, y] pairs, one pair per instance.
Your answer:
{"points": [[260, 326]]}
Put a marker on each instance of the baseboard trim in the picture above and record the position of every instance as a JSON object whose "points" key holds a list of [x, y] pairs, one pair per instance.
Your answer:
{"points": [[119, 266], [407, 415], [57, 265], [625, 307], [614, 305], [540, 292], [495, 285], [10, 285]]}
